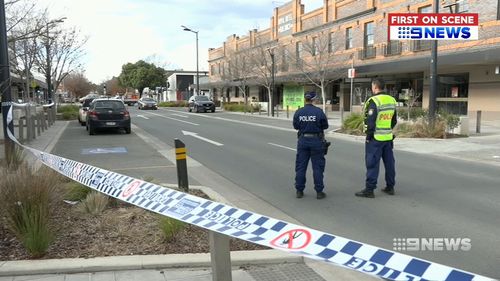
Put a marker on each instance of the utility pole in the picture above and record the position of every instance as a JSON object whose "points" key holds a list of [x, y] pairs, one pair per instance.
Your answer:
{"points": [[272, 83], [433, 73], [5, 83], [48, 71]]}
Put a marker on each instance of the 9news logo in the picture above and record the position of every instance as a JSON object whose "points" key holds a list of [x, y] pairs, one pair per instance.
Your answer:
{"points": [[433, 26]]}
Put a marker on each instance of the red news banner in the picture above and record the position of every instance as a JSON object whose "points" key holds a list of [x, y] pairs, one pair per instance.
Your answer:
{"points": [[433, 26]]}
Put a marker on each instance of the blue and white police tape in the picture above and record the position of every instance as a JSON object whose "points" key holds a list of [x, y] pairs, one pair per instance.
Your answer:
{"points": [[253, 227]]}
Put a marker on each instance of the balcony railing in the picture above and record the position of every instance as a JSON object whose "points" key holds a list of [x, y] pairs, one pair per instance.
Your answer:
{"points": [[421, 45], [368, 52], [393, 48]]}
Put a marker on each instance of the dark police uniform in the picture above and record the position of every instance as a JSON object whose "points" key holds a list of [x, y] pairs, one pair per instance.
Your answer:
{"points": [[379, 143], [310, 121]]}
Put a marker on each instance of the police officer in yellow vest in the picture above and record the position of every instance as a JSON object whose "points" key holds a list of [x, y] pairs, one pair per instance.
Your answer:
{"points": [[380, 119]]}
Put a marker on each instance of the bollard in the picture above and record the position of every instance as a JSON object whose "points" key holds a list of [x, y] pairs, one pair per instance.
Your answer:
{"points": [[287, 112], [259, 110], [38, 124], [478, 122], [180, 156], [220, 257], [277, 111]]}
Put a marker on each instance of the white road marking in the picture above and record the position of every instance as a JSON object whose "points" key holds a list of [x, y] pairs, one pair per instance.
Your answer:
{"points": [[282, 146], [142, 116], [183, 116], [496, 156], [238, 121], [186, 133], [187, 122]]}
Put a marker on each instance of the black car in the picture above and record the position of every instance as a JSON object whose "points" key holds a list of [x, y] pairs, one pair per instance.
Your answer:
{"points": [[107, 113], [147, 103], [200, 103]]}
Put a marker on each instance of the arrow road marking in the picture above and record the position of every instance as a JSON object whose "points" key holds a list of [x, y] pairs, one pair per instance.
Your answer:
{"points": [[183, 116], [285, 147], [191, 123], [142, 116], [186, 133]]}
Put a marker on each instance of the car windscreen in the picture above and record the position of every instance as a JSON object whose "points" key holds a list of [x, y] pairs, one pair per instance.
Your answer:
{"points": [[201, 98], [109, 104], [86, 103], [149, 100]]}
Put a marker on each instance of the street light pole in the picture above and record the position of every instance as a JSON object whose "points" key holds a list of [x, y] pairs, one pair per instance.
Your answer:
{"points": [[197, 65], [433, 73], [271, 103], [5, 83]]}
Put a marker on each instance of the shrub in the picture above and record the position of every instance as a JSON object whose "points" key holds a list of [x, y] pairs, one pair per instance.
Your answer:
{"points": [[181, 103], [240, 107], [354, 124], [76, 191], [415, 113], [95, 203], [452, 121], [15, 159], [67, 108], [27, 200], [69, 115], [170, 227]]}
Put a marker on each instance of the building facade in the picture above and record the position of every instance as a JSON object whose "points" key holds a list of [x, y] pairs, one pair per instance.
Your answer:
{"points": [[324, 43], [181, 85]]}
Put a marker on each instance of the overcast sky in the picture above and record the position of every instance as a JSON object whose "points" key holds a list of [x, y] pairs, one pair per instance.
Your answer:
{"points": [[122, 31]]}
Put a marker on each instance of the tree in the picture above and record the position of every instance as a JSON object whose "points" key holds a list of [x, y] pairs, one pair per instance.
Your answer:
{"points": [[260, 66], [61, 54], [113, 86], [77, 84], [141, 74], [316, 60], [238, 63]]}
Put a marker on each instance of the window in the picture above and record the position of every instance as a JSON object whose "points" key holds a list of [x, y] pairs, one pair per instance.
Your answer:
{"points": [[425, 10], [314, 46], [212, 69], [284, 59], [236, 92], [298, 50], [330, 42], [348, 38], [218, 72], [369, 34]]}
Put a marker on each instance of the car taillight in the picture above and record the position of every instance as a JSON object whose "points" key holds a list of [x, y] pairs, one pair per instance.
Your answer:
{"points": [[92, 113], [125, 114]]}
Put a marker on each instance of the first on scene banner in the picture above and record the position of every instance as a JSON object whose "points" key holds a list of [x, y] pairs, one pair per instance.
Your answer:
{"points": [[433, 26]]}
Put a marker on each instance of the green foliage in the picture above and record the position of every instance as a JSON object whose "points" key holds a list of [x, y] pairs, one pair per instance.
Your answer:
{"points": [[67, 108], [140, 75], [452, 121], [170, 227], [354, 124], [76, 191], [240, 107], [70, 115], [27, 200], [181, 103], [422, 129], [95, 203]]}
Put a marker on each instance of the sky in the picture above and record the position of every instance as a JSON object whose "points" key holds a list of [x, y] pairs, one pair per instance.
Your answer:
{"points": [[122, 31]]}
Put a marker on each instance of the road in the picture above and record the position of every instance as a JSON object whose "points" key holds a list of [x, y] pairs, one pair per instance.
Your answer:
{"points": [[436, 197]]}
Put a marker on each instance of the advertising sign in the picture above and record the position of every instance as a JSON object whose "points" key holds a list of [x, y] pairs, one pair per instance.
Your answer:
{"points": [[433, 26], [293, 96]]}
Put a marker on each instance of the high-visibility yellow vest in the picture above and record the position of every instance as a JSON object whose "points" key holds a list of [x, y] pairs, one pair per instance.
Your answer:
{"points": [[386, 108]]}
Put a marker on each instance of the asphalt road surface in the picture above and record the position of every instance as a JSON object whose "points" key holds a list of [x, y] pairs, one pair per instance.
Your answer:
{"points": [[436, 197]]}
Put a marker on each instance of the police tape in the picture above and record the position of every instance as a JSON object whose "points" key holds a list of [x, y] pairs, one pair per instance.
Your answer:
{"points": [[250, 226]]}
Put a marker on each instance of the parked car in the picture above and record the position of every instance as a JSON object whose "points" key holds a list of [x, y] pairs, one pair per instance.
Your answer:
{"points": [[107, 113], [82, 112], [200, 103], [89, 96], [147, 103]]}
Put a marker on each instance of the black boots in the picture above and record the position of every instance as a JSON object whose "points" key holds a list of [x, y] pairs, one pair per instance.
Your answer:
{"points": [[388, 190], [367, 193], [300, 194]]}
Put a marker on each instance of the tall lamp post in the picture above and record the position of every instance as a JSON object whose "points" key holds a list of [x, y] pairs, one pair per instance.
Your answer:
{"points": [[5, 93], [48, 74], [197, 72], [433, 73], [271, 53]]}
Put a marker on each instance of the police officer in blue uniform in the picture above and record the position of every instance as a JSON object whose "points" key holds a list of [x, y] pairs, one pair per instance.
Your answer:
{"points": [[310, 122]]}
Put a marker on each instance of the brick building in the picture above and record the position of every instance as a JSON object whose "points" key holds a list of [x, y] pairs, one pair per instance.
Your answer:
{"points": [[355, 33]]}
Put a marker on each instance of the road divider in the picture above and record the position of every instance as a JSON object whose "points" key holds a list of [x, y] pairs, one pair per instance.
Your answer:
{"points": [[250, 226]]}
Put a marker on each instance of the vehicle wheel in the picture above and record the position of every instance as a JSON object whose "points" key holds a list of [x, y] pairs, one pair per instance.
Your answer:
{"points": [[82, 123], [128, 130], [189, 109], [196, 109], [86, 127], [91, 130], [213, 110]]}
